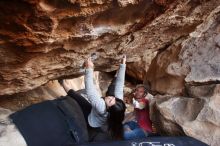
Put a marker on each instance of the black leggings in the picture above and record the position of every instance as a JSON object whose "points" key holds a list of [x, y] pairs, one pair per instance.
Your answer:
{"points": [[83, 103]]}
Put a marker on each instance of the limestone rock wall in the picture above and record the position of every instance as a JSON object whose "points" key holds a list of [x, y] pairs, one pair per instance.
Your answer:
{"points": [[186, 79], [42, 40], [173, 46]]}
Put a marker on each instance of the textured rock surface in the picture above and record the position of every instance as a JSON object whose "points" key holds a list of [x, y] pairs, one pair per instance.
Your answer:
{"points": [[188, 72], [188, 58], [44, 40], [9, 135], [195, 117], [49, 91]]}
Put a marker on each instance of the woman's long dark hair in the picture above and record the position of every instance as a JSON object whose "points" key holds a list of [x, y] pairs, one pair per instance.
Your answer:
{"points": [[115, 119]]}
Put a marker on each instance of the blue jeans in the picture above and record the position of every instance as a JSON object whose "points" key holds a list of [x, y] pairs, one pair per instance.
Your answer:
{"points": [[134, 132]]}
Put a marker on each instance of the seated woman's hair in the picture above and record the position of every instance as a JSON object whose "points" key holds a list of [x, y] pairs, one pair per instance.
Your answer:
{"points": [[139, 86], [115, 119]]}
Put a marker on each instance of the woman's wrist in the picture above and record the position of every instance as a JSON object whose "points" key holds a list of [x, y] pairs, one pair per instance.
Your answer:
{"points": [[88, 63], [124, 59]]}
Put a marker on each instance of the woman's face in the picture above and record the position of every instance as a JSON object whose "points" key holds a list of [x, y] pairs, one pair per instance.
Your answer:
{"points": [[109, 100], [139, 93]]}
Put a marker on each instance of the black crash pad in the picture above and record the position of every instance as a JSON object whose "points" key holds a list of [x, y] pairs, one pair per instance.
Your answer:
{"points": [[44, 124]]}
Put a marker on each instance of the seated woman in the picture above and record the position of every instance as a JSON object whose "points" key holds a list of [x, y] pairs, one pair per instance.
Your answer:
{"points": [[104, 116], [142, 126]]}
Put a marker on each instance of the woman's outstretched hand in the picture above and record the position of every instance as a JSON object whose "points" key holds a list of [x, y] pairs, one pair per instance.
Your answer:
{"points": [[88, 63], [124, 59]]}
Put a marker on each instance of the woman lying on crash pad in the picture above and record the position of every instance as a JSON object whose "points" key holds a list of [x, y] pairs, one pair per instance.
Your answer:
{"points": [[103, 115]]}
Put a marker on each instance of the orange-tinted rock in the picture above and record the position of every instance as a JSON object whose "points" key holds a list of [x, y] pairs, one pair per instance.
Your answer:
{"points": [[48, 39]]}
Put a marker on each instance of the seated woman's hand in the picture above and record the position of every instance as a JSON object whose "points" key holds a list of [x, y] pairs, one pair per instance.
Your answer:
{"points": [[154, 130], [88, 63]]}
